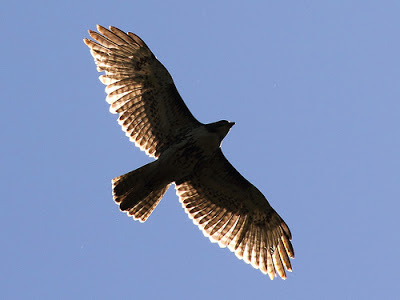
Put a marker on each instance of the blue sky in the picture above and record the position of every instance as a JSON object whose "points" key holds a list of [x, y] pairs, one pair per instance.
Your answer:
{"points": [[313, 87]]}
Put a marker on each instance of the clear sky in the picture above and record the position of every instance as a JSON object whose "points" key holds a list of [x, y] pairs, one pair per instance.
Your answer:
{"points": [[314, 89]]}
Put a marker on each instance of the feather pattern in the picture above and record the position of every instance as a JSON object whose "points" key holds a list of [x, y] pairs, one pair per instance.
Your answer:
{"points": [[140, 90], [231, 211]]}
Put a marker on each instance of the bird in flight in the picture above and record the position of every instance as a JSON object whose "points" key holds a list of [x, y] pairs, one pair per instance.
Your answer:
{"points": [[222, 203]]}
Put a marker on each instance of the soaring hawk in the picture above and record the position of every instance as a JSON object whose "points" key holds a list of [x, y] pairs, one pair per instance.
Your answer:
{"points": [[225, 206]]}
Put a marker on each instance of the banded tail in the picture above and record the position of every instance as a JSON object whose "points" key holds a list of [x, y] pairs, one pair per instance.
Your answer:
{"points": [[138, 192]]}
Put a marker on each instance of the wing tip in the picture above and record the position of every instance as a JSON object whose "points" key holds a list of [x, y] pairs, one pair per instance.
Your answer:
{"points": [[99, 27]]}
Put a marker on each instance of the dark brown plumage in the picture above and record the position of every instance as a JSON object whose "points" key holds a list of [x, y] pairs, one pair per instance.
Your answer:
{"points": [[225, 206]]}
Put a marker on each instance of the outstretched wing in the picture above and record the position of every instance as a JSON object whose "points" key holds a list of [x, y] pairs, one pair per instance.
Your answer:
{"points": [[231, 211], [140, 90]]}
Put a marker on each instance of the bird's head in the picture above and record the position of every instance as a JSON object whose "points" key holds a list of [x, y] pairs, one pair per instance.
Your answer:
{"points": [[221, 128]]}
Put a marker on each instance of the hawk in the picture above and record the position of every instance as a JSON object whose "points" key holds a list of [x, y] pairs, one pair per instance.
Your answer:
{"points": [[225, 206]]}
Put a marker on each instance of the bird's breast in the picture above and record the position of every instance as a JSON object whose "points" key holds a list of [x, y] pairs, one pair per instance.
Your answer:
{"points": [[181, 158], [205, 140]]}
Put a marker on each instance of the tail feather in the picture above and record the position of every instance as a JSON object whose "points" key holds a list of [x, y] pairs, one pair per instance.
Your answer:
{"points": [[145, 207], [138, 192]]}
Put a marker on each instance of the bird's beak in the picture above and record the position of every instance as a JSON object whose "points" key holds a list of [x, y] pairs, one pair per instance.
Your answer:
{"points": [[231, 124]]}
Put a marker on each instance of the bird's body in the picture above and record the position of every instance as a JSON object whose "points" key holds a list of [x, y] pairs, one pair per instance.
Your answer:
{"points": [[197, 146], [225, 206]]}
